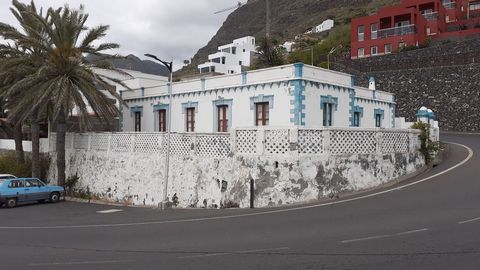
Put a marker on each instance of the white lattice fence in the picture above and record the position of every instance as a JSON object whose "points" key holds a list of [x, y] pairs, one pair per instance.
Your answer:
{"points": [[250, 142], [149, 143], [310, 141], [216, 146], [80, 141], [246, 141], [395, 142], [181, 144], [99, 142], [353, 142], [120, 143], [277, 141]]}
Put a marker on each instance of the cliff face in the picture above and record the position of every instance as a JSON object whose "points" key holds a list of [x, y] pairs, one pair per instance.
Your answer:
{"points": [[288, 18]]}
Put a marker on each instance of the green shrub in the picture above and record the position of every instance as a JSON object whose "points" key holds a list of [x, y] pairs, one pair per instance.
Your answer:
{"points": [[8, 165], [428, 148]]}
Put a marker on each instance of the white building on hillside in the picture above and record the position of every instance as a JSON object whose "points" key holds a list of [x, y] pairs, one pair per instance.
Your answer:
{"points": [[324, 26], [290, 95], [230, 58], [288, 46]]}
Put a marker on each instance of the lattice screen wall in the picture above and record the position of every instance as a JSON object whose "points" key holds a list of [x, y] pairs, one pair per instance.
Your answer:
{"points": [[310, 141], [353, 142], [263, 141]]}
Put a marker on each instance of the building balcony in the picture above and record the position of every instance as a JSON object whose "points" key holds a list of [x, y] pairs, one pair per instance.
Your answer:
{"points": [[431, 16], [449, 5], [397, 31]]}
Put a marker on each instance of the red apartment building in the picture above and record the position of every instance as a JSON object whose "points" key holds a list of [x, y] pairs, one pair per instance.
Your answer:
{"points": [[411, 23]]}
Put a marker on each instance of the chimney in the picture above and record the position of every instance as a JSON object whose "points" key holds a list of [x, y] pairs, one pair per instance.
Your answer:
{"points": [[371, 83]]}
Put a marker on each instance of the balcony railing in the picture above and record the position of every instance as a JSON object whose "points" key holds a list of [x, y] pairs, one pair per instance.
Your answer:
{"points": [[431, 16], [449, 5], [397, 31]]}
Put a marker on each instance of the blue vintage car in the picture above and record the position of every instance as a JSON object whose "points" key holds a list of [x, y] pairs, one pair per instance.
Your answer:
{"points": [[19, 190]]}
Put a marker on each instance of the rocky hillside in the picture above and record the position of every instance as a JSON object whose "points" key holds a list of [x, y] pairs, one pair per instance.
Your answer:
{"points": [[288, 18], [443, 78], [132, 62]]}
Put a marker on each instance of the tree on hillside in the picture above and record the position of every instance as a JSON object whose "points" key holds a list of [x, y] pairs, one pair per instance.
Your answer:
{"points": [[56, 44], [269, 54]]}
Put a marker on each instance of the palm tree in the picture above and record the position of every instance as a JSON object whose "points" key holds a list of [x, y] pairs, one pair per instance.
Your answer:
{"points": [[269, 54], [63, 80]]}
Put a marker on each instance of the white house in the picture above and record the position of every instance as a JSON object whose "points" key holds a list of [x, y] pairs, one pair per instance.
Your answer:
{"points": [[288, 46], [324, 26], [290, 95], [230, 58]]}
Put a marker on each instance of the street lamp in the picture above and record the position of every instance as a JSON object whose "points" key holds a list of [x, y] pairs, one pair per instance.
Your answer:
{"points": [[329, 53], [169, 65]]}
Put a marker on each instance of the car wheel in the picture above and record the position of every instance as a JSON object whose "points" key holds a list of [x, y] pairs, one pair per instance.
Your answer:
{"points": [[11, 202], [54, 197]]}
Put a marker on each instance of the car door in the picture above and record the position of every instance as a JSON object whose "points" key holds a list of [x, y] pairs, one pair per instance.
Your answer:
{"points": [[35, 190], [17, 189]]}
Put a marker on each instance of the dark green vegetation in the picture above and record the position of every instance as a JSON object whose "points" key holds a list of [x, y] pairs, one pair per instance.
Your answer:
{"points": [[44, 75], [288, 19], [428, 148], [9, 165]]}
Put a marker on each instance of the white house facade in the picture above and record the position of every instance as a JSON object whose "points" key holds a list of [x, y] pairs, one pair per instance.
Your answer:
{"points": [[230, 58], [324, 26], [286, 96]]}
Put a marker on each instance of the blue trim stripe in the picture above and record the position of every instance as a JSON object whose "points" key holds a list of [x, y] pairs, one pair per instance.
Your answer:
{"points": [[298, 117]]}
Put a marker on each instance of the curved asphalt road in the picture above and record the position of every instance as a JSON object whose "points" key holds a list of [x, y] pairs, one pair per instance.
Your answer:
{"points": [[434, 224]]}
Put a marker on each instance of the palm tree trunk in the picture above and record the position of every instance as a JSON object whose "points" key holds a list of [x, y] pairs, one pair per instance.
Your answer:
{"points": [[60, 145], [35, 130], [18, 137]]}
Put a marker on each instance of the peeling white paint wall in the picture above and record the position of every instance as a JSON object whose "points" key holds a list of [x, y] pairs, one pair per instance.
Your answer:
{"points": [[137, 178]]}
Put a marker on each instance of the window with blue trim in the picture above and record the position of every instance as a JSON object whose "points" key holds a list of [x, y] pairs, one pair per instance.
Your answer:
{"points": [[378, 120], [222, 118], [356, 119], [162, 120], [327, 114], [138, 121]]}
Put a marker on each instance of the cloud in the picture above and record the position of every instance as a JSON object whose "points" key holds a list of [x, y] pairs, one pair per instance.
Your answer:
{"points": [[169, 29]]}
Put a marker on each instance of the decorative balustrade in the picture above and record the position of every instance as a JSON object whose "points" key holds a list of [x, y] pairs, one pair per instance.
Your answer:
{"points": [[251, 141]]}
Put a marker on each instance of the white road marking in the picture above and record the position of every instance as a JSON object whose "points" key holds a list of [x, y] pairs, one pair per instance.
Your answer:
{"points": [[233, 252], [76, 263], [470, 220], [109, 211], [383, 236], [470, 155]]}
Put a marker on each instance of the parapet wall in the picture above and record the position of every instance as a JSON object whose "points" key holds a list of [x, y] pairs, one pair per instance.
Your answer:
{"points": [[287, 165]]}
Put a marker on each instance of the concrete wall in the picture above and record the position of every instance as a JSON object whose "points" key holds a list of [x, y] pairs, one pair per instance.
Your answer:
{"points": [[138, 179], [6, 144], [305, 165]]}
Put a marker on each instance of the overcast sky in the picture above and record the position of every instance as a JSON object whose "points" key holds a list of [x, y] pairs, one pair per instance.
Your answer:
{"points": [[167, 28]]}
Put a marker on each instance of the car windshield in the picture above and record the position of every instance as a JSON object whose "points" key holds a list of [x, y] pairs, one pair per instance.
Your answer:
{"points": [[1, 181]]}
